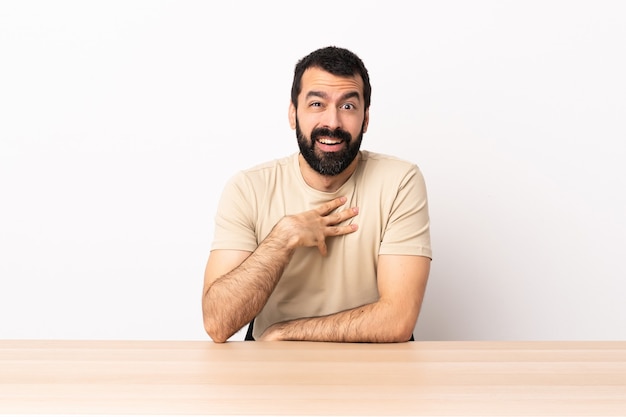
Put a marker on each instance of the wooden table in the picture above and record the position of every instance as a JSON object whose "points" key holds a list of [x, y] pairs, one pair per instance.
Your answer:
{"points": [[302, 378]]}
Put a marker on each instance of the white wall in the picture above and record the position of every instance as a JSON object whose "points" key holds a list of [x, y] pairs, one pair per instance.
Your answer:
{"points": [[120, 121]]}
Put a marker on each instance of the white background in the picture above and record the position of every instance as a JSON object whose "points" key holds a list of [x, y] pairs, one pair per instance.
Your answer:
{"points": [[120, 121]]}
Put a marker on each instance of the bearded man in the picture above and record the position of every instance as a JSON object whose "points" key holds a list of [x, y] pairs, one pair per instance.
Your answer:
{"points": [[331, 243]]}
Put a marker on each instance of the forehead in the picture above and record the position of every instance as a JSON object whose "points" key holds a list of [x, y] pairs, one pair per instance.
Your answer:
{"points": [[316, 79]]}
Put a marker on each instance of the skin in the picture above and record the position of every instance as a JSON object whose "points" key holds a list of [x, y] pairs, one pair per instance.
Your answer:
{"points": [[237, 284]]}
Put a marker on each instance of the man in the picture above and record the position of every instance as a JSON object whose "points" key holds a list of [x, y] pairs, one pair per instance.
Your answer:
{"points": [[328, 244]]}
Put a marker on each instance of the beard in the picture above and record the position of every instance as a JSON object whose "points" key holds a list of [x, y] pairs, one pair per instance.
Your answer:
{"points": [[328, 163]]}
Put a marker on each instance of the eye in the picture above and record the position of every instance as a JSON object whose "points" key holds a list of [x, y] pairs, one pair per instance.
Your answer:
{"points": [[347, 106], [315, 104]]}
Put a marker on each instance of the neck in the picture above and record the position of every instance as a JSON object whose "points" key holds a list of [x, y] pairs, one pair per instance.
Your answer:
{"points": [[326, 183]]}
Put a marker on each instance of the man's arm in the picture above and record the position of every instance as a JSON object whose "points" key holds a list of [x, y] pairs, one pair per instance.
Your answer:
{"points": [[237, 284], [401, 285]]}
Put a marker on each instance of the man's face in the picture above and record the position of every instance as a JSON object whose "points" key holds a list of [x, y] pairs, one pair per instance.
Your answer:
{"points": [[330, 120]]}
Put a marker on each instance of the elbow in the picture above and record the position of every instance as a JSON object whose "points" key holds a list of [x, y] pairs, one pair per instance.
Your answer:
{"points": [[405, 335], [398, 335], [213, 327], [218, 339], [215, 333], [399, 325], [400, 332], [403, 331]]}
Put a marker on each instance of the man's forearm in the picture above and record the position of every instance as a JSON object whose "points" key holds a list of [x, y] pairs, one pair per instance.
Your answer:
{"points": [[376, 323], [235, 298]]}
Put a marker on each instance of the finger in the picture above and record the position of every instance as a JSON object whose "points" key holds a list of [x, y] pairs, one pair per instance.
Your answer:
{"points": [[329, 206], [340, 230], [322, 247], [339, 217]]}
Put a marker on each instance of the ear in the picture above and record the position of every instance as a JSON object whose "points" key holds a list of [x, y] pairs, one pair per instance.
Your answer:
{"points": [[366, 120], [292, 115]]}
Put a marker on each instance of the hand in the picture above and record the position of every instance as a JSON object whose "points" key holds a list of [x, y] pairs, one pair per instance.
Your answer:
{"points": [[311, 228], [271, 334]]}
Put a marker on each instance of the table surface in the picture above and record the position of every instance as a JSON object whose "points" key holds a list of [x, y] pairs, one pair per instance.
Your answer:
{"points": [[484, 378]]}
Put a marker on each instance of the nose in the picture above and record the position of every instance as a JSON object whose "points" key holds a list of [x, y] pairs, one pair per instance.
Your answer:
{"points": [[331, 118]]}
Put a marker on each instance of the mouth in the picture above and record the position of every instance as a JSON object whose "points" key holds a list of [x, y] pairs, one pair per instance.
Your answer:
{"points": [[326, 144], [329, 141]]}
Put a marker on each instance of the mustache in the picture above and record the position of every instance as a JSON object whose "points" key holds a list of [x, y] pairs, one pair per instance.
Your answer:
{"points": [[335, 134]]}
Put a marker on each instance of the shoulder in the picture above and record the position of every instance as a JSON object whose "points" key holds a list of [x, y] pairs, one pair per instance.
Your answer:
{"points": [[378, 160], [274, 164], [388, 166], [262, 172]]}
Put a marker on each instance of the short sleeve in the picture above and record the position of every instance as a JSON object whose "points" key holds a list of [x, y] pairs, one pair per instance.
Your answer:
{"points": [[234, 220], [408, 228]]}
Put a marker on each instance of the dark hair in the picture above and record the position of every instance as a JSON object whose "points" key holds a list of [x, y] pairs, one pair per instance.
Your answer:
{"points": [[337, 61]]}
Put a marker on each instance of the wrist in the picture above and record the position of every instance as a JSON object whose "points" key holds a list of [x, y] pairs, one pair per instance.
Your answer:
{"points": [[282, 239]]}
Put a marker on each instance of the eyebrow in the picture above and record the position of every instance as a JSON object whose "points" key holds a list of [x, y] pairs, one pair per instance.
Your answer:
{"points": [[321, 94]]}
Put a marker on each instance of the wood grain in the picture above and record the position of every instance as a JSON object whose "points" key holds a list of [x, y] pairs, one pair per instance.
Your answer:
{"points": [[301, 378]]}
